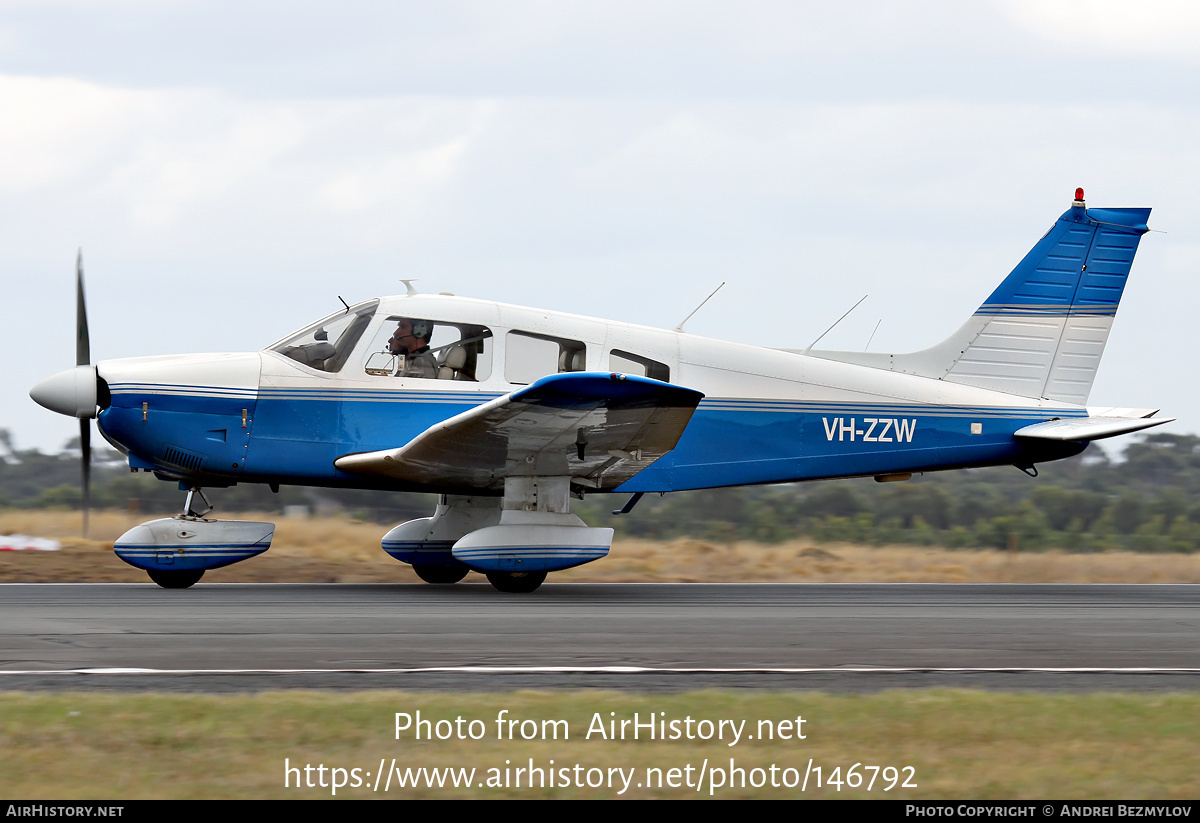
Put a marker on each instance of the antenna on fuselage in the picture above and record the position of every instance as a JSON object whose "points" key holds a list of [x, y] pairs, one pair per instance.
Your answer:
{"points": [[831, 328], [408, 284], [702, 302], [872, 337]]}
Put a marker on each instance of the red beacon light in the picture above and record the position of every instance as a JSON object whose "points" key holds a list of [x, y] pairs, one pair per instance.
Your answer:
{"points": [[1079, 195]]}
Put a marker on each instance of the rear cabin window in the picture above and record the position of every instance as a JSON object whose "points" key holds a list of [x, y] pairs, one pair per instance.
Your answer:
{"points": [[629, 363], [451, 351], [529, 357]]}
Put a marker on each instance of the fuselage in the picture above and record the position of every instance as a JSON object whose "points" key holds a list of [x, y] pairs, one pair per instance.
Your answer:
{"points": [[285, 414]]}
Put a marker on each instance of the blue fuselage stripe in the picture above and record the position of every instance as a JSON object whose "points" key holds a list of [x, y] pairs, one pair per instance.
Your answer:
{"points": [[729, 441]]}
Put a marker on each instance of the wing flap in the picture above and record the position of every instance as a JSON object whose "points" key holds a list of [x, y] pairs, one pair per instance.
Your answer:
{"points": [[598, 428]]}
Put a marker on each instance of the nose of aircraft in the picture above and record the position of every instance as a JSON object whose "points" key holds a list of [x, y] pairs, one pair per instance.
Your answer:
{"points": [[71, 392]]}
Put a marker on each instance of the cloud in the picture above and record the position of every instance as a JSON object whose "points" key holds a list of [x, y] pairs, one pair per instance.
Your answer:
{"points": [[1160, 30], [153, 167], [228, 182]]}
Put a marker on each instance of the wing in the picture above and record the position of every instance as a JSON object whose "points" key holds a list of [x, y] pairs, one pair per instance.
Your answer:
{"points": [[600, 429], [1099, 423]]}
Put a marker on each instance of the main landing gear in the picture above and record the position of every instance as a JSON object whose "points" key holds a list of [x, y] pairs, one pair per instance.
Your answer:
{"points": [[514, 540]]}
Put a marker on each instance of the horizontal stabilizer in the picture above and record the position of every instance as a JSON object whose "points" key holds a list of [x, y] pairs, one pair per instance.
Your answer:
{"points": [[1090, 428], [597, 428]]}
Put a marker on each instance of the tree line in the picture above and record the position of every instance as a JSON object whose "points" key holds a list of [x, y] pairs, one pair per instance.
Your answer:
{"points": [[1147, 498]]}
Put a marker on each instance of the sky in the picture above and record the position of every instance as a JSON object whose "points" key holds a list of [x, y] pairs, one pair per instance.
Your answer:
{"points": [[231, 168]]}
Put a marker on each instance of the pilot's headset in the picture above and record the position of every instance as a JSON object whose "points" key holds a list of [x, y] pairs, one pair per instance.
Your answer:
{"points": [[422, 330]]}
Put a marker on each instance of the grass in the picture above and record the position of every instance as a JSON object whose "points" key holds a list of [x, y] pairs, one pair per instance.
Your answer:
{"points": [[959, 744], [343, 550]]}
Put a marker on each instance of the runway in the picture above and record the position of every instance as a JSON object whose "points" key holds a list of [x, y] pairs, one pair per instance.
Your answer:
{"points": [[237, 637]]}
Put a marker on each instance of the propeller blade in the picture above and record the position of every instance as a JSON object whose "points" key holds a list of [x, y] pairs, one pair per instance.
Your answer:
{"points": [[85, 453], [83, 357], [83, 348]]}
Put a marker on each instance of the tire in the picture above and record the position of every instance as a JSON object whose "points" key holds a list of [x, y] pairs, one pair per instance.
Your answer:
{"points": [[441, 575], [176, 579], [516, 582]]}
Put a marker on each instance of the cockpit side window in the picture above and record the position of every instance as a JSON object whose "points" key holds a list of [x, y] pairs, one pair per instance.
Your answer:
{"points": [[327, 344], [416, 347]]}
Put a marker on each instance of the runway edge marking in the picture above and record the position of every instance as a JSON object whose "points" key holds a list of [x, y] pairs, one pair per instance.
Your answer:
{"points": [[625, 670]]}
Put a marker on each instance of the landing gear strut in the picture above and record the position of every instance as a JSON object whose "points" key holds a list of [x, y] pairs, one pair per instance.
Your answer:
{"points": [[183, 578], [514, 539], [188, 511]]}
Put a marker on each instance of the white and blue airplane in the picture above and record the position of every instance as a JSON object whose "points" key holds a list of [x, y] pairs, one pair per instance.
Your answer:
{"points": [[508, 412]]}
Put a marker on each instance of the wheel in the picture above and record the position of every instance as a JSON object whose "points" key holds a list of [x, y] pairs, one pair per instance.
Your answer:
{"points": [[441, 575], [174, 579], [516, 582]]}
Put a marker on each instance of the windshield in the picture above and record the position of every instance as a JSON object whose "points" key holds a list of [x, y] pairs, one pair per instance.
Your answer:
{"points": [[326, 344]]}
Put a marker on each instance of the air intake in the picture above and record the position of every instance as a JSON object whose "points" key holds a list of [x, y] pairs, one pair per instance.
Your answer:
{"points": [[182, 459]]}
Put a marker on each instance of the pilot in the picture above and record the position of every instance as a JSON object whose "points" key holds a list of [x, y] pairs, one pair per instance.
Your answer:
{"points": [[411, 339]]}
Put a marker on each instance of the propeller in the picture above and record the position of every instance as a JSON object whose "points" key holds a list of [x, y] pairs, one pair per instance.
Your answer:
{"points": [[74, 392], [83, 357]]}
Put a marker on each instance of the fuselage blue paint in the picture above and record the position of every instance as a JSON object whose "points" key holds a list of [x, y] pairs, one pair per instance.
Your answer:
{"points": [[296, 437]]}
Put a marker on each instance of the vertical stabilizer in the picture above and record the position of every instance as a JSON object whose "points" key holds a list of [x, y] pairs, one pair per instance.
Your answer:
{"points": [[1042, 332]]}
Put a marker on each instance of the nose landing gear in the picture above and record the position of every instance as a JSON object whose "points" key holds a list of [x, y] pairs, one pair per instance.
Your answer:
{"points": [[176, 551]]}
